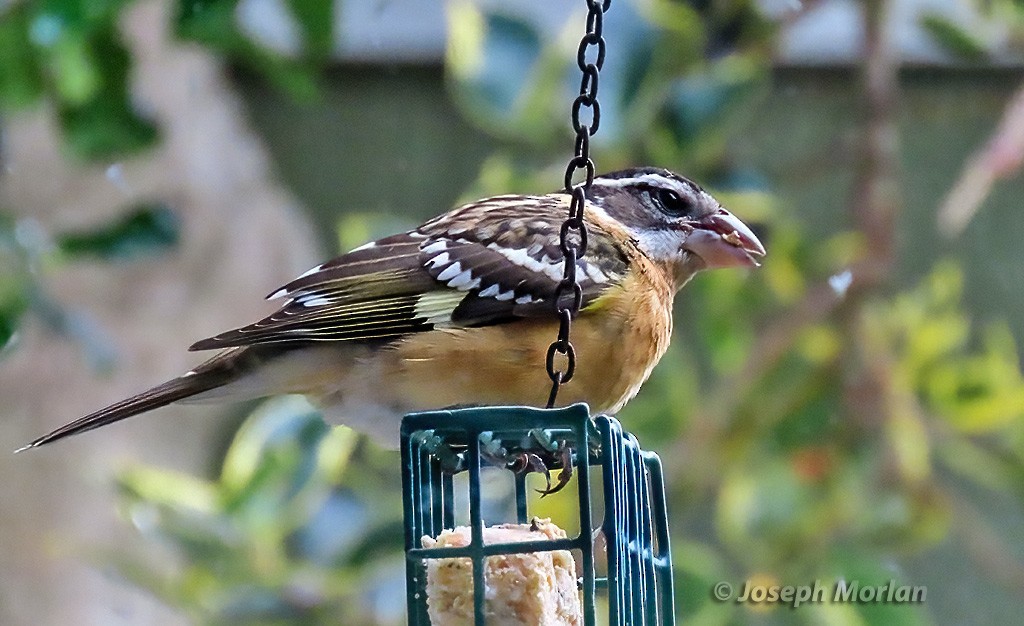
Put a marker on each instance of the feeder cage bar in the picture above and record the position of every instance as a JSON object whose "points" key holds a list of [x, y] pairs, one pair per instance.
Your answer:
{"points": [[436, 445]]}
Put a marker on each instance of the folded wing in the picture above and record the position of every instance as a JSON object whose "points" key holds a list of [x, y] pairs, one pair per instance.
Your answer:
{"points": [[487, 262]]}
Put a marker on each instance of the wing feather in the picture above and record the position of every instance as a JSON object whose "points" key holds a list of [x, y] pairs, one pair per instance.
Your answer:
{"points": [[483, 263]]}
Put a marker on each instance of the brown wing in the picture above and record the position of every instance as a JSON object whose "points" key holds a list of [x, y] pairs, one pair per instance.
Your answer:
{"points": [[485, 262]]}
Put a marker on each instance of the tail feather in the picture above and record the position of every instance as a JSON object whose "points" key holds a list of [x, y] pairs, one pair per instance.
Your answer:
{"points": [[161, 395], [222, 369]]}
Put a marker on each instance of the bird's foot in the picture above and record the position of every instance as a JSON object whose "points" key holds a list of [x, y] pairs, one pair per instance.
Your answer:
{"points": [[557, 454], [549, 455], [526, 462], [564, 476], [451, 462]]}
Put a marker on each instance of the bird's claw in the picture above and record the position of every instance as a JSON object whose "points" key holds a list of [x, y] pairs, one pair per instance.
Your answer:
{"points": [[550, 455], [526, 462], [564, 476]]}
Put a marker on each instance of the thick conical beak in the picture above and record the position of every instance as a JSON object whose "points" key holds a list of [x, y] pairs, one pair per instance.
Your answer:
{"points": [[721, 240]]}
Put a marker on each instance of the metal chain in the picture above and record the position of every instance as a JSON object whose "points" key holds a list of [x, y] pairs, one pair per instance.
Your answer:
{"points": [[573, 236]]}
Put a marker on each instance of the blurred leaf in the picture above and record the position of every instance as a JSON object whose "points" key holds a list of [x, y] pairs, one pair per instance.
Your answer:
{"points": [[808, 418], [980, 392], [81, 15], [104, 129], [15, 282], [75, 73], [953, 38], [726, 336], [316, 17], [273, 458], [766, 511], [247, 604], [86, 66], [21, 80], [9, 319], [95, 108], [727, 27], [977, 390], [682, 19], [634, 76], [862, 573], [207, 21], [166, 488], [144, 231], [663, 412], [696, 573], [905, 518], [275, 424], [819, 344], [383, 540], [493, 56], [318, 540], [213, 24], [702, 102], [277, 539], [13, 303], [784, 276], [200, 537], [981, 465], [908, 440]]}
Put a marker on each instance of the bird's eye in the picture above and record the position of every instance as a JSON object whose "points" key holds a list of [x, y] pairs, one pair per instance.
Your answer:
{"points": [[672, 204]]}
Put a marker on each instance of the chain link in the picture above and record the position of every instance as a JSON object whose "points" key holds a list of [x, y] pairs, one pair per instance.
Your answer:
{"points": [[573, 235]]}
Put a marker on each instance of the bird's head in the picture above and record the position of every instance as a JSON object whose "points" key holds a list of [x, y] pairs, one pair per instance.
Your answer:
{"points": [[674, 221]]}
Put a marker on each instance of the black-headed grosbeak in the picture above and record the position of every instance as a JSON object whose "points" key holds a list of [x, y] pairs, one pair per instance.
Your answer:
{"points": [[460, 311]]}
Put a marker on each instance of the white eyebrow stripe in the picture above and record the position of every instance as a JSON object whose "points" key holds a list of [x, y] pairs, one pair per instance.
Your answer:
{"points": [[645, 179]]}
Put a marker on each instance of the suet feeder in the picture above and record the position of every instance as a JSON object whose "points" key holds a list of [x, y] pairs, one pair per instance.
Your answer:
{"points": [[612, 473]]}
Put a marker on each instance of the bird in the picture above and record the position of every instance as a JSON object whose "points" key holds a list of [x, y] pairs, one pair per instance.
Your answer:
{"points": [[460, 311]]}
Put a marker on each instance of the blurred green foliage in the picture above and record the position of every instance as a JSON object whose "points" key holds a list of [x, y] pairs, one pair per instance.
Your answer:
{"points": [[972, 41], [214, 24], [811, 429], [953, 38], [71, 53], [28, 252], [13, 294], [147, 229], [289, 532]]}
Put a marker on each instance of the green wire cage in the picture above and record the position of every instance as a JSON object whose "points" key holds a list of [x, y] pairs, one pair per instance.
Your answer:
{"points": [[612, 473]]}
